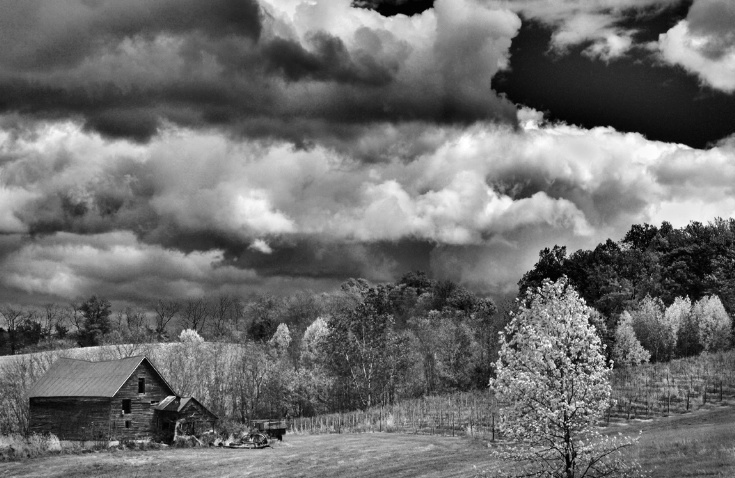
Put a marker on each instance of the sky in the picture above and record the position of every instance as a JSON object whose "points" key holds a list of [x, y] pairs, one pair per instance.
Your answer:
{"points": [[181, 148]]}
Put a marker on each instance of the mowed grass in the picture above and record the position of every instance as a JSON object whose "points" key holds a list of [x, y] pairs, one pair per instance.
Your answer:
{"points": [[690, 445], [701, 443], [360, 455]]}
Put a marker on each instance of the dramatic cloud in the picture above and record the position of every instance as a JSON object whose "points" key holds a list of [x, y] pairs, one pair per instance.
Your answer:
{"points": [[199, 211], [159, 149], [116, 265], [704, 43], [299, 70], [593, 22]]}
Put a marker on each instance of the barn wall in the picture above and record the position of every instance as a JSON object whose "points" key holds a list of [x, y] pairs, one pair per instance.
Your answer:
{"points": [[71, 418], [195, 419], [142, 419]]}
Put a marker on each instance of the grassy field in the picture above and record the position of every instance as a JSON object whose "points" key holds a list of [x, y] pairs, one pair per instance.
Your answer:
{"points": [[701, 443], [363, 455]]}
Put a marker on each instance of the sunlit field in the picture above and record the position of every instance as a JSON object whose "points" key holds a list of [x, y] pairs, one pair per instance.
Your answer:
{"points": [[701, 443]]}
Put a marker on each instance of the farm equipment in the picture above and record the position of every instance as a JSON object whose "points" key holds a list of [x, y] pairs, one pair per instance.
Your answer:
{"points": [[273, 428], [254, 439]]}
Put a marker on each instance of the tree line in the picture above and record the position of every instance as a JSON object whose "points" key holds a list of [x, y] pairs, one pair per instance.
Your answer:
{"points": [[354, 348], [659, 293]]}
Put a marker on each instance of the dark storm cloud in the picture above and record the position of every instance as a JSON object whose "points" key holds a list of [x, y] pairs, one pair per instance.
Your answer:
{"points": [[329, 61], [195, 212], [40, 34], [306, 142], [126, 68]]}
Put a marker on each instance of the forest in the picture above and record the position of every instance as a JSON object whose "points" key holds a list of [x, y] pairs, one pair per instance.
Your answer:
{"points": [[659, 293]]}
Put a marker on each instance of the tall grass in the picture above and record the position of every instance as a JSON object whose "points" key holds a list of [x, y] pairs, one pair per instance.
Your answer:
{"points": [[647, 391], [660, 389], [13, 447], [458, 414]]}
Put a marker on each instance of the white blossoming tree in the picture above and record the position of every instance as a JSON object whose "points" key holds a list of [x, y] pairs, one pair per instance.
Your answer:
{"points": [[628, 351], [553, 386], [714, 324], [281, 340], [312, 342]]}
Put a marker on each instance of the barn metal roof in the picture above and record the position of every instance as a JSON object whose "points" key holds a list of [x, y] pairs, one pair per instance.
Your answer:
{"points": [[80, 378]]}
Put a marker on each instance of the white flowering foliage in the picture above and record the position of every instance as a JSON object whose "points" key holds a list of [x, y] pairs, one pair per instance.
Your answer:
{"points": [[281, 339], [676, 316], [553, 386], [714, 324], [628, 351], [652, 330], [190, 336], [312, 342]]}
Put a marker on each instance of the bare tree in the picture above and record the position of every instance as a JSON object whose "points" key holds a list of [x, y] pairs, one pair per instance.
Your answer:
{"points": [[120, 319], [135, 320], [195, 313], [49, 317], [12, 317], [76, 316], [165, 310], [226, 314]]}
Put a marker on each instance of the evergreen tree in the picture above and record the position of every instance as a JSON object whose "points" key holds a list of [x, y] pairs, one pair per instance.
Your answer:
{"points": [[96, 321]]}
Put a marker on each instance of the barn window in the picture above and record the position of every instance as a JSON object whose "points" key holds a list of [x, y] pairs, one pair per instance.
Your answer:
{"points": [[141, 385], [154, 402], [126, 405], [127, 423]]}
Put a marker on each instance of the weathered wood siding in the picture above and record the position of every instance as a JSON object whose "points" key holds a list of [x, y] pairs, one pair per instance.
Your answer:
{"points": [[195, 419], [142, 418], [71, 418]]}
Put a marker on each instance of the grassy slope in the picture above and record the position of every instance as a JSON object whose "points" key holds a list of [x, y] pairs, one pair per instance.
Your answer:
{"points": [[701, 443], [689, 445], [365, 455]]}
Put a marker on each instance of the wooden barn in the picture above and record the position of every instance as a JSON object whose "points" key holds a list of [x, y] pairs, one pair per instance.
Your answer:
{"points": [[183, 415], [110, 400]]}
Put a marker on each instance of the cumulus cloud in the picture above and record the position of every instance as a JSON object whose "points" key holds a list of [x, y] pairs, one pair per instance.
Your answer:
{"points": [[300, 70], [593, 22], [195, 211], [115, 264], [704, 43]]}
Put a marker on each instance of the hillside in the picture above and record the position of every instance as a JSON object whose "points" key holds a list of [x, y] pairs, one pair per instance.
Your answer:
{"points": [[647, 391], [688, 445]]}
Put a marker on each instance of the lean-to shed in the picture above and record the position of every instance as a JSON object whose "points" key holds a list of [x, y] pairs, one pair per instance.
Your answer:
{"points": [[183, 415]]}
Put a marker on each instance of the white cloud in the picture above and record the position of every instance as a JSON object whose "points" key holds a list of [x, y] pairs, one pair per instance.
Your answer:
{"points": [[13, 200], [115, 264], [495, 193], [575, 22], [612, 46], [692, 51], [261, 246]]}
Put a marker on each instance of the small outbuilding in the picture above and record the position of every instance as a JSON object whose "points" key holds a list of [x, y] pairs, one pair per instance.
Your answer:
{"points": [[109, 400], [183, 416]]}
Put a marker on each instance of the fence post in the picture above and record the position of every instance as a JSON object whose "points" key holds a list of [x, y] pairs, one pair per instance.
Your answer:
{"points": [[493, 427]]}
